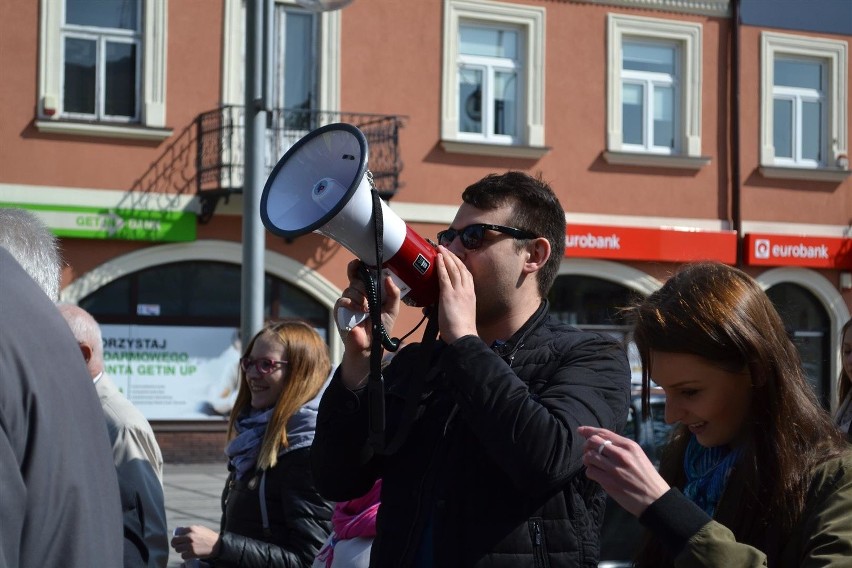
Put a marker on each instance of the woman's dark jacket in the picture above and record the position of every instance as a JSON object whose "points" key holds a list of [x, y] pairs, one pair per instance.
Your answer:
{"points": [[298, 519], [492, 466]]}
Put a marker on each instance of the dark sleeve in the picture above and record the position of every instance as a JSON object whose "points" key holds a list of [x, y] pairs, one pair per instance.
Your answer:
{"points": [[342, 460], [306, 523], [674, 520], [529, 427]]}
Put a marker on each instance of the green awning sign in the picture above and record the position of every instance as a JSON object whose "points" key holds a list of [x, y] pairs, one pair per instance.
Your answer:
{"points": [[118, 224]]}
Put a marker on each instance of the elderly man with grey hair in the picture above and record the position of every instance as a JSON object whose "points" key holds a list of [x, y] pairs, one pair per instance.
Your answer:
{"points": [[136, 453], [34, 247], [59, 496]]}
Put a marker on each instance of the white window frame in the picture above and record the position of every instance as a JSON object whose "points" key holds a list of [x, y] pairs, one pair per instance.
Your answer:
{"points": [[688, 38], [151, 56], [530, 23], [834, 55]]}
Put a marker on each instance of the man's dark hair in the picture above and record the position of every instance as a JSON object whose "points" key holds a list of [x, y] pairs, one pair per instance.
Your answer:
{"points": [[535, 208]]}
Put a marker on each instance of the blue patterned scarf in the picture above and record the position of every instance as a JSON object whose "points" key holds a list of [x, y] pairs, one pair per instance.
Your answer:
{"points": [[245, 447], [707, 471]]}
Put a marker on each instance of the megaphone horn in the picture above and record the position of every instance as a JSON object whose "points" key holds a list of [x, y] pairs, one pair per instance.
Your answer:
{"points": [[322, 185]]}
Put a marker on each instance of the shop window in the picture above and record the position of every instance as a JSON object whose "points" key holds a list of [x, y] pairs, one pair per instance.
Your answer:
{"points": [[103, 68], [654, 92], [195, 294], [590, 303], [808, 325], [804, 106], [171, 335], [493, 79]]}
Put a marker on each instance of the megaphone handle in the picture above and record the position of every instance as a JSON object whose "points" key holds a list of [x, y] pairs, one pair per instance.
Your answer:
{"points": [[373, 300], [347, 319]]}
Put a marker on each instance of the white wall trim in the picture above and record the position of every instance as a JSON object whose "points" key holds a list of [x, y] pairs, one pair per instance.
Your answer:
{"points": [[616, 272], [529, 18], [835, 54], [689, 36], [102, 198]]}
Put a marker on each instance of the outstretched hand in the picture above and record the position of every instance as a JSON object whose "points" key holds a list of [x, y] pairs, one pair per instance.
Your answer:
{"points": [[195, 541], [621, 467]]}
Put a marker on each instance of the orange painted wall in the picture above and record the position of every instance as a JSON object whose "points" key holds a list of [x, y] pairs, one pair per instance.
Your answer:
{"points": [[405, 78], [31, 157]]}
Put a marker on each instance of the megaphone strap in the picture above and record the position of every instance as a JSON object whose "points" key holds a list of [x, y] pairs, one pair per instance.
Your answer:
{"points": [[415, 384]]}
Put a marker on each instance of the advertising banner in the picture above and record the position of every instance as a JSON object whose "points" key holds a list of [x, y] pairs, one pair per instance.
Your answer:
{"points": [[174, 372], [115, 223]]}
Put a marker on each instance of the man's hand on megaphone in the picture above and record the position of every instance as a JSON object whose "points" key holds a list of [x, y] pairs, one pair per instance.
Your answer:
{"points": [[457, 297], [353, 307]]}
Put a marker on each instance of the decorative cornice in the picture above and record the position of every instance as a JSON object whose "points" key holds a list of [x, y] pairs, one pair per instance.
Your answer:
{"points": [[713, 8]]}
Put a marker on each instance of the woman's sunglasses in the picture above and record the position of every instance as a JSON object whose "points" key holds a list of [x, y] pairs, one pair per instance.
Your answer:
{"points": [[473, 236], [263, 366]]}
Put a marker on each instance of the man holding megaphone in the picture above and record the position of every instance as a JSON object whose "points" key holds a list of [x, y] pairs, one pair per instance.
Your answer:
{"points": [[489, 472]]}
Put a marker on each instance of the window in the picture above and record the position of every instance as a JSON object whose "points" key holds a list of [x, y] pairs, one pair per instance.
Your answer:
{"points": [[200, 293], [294, 79], [488, 83], [654, 92], [100, 62], [804, 104], [648, 102], [305, 76], [102, 68], [798, 117], [306, 56], [493, 79]]}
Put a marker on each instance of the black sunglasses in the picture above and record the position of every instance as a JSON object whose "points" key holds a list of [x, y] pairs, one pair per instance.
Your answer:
{"points": [[473, 236]]}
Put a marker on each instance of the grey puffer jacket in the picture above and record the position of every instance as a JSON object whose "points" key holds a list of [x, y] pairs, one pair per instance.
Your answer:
{"points": [[491, 471]]}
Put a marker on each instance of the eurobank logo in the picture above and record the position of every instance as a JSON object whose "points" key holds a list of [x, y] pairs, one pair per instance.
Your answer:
{"points": [[784, 250], [590, 241], [761, 248]]}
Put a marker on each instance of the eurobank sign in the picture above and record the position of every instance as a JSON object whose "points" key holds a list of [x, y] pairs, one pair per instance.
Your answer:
{"points": [[115, 223], [792, 250], [658, 244]]}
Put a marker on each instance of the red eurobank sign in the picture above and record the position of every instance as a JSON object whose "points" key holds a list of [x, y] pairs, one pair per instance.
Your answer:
{"points": [[793, 250], [660, 244]]}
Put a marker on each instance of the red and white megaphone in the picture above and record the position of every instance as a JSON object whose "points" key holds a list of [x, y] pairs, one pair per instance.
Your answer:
{"points": [[321, 185]]}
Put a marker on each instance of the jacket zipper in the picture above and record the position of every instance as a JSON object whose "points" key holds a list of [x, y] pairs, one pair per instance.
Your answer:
{"points": [[539, 547]]}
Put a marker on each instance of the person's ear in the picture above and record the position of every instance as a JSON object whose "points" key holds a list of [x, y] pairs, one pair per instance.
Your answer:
{"points": [[537, 251], [86, 350]]}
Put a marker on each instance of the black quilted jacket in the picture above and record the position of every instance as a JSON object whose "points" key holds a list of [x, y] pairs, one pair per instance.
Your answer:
{"points": [[492, 467], [299, 520]]}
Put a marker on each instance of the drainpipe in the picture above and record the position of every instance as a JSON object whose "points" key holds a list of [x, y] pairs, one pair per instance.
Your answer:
{"points": [[736, 213]]}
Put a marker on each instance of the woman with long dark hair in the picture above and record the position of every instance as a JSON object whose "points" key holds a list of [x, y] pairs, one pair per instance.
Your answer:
{"points": [[272, 515], [756, 472], [844, 382]]}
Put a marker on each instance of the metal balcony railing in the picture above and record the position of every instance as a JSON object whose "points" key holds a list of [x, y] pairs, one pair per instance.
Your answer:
{"points": [[221, 147]]}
